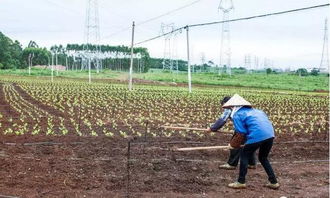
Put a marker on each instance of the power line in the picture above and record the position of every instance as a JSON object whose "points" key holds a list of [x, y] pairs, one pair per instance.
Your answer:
{"points": [[234, 20], [263, 15], [153, 18], [169, 12], [156, 37]]}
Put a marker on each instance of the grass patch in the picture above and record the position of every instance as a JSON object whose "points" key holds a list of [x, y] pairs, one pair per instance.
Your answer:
{"points": [[259, 80], [282, 81], [71, 74]]}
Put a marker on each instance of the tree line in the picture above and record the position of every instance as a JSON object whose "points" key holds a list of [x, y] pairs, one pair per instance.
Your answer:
{"points": [[13, 56], [73, 56]]}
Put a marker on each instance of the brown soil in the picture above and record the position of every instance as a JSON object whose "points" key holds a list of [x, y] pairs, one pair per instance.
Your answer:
{"points": [[71, 166]]}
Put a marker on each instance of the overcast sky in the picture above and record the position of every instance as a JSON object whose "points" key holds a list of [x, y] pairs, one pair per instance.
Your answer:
{"points": [[290, 40]]}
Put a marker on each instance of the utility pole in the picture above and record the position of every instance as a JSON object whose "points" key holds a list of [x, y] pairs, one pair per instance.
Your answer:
{"points": [[130, 85], [325, 50], [52, 67], [66, 62], [30, 62], [89, 71], [188, 58], [56, 63], [225, 52]]}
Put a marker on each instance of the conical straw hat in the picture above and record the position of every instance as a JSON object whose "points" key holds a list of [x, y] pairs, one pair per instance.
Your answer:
{"points": [[236, 100]]}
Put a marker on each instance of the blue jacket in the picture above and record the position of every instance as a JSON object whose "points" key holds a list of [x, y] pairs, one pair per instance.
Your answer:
{"points": [[254, 124]]}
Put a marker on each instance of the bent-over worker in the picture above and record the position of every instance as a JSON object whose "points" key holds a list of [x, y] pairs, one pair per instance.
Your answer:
{"points": [[259, 134], [235, 152]]}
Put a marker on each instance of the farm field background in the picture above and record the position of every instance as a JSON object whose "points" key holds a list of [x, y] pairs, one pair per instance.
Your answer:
{"points": [[277, 81], [71, 138]]}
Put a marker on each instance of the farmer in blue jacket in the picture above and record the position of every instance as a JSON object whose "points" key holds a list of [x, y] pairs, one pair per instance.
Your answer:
{"points": [[259, 133], [235, 152]]}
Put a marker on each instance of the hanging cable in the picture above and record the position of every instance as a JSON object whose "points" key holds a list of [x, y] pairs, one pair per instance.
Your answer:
{"points": [[234, 20], [261, 16], [152, 19], [168, 13]]}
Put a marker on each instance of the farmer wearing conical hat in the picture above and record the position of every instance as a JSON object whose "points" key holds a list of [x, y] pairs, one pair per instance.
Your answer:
{"points": [[259, 133], [235, 152]]}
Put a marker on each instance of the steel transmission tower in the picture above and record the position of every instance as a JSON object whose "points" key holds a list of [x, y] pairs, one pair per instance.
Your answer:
{"points": [[225, 54], [256, 62], [92, 35], [324, 65], [175, 50], [168, 45], [247, 63]]}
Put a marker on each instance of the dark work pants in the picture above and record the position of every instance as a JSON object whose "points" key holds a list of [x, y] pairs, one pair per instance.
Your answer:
{"points": [[247, 152], [234, 158]]}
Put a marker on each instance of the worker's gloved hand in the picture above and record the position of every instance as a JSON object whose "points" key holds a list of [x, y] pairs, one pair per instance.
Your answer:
{"points": [[230, 147]]}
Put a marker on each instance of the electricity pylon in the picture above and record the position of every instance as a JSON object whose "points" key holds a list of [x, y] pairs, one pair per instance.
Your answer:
{"points": [[168, 52], [225, 53], [92, 34]]}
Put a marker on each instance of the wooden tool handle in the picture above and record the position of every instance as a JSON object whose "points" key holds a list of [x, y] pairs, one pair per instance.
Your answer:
{"points": [[202, 148], [183, 128], [193, 129]]}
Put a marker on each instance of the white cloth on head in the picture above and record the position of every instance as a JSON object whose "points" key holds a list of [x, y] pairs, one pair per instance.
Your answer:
{"points": [[235, 109]]}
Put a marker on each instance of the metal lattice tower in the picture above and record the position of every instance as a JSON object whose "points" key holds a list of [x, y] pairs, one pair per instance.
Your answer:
{"points": [[92, 34], [324, 65], [247, 62], [203, 61], [266, 63], [256, 62], [168, 51], [175, 56], [225, 53]]}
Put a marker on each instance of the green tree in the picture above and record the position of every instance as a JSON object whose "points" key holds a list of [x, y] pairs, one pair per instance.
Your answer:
{"points": [[302, 72], [10, 53], [33, 44], [269, 71], [120, 59], [315, 72], [41, 56]]}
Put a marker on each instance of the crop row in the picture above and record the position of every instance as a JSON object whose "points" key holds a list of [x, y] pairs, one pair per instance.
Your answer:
{"points": [[73, 107]]}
